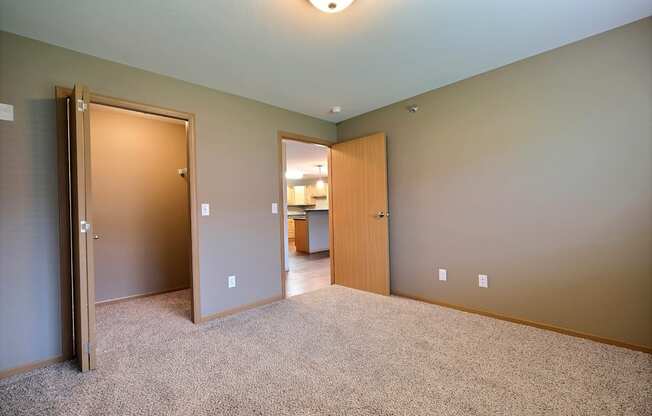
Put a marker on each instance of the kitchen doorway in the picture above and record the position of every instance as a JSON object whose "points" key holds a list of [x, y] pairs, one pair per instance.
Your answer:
{"points": [[306, 218]]}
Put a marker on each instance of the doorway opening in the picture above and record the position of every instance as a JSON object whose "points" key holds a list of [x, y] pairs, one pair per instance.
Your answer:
{"points": [[140, 198], [141, 228], [306, 214], [128, 239]]}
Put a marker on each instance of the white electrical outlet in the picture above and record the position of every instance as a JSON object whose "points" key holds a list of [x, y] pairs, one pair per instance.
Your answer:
{"points": [[442, 274], [483, 280], [205, 209], [231, 282]]}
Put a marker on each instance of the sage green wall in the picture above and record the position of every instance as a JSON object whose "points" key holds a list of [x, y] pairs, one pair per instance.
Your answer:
{"points": [[237, 174], [538, 174]]}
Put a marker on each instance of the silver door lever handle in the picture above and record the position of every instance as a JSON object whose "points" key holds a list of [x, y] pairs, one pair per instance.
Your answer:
{"points": [[380, 214], [96, 237]]}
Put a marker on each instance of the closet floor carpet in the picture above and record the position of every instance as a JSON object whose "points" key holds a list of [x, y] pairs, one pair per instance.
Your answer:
{"points": [[335, 351]]}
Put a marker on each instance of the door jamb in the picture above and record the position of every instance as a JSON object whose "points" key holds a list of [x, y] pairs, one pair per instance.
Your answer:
{"points": [[65, 243], [61, 94], [284, 135]]}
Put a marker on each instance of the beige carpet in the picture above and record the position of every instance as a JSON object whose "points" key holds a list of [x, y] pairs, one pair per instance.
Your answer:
{"points": [[335, 351]]}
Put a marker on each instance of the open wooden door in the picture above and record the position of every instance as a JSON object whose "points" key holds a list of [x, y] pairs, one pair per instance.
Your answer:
{"points": [[82, 242], [360, 240]]}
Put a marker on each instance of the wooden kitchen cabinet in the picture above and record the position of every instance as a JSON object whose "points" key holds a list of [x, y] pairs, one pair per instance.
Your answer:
{"points": [[301, 235], [305, 194], [311, 233], [290, 228]]}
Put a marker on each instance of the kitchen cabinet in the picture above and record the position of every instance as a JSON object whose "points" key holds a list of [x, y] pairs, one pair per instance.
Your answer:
{"points": [[290, 228], [311, 233], [301, 235], [306, 194]]}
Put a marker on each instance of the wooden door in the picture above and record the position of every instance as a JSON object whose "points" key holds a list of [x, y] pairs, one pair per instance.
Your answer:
{"points": [[82, 242], [360, 246]]}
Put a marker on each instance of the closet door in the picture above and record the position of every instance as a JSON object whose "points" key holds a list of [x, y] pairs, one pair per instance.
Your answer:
{"points": [[82, 241]]}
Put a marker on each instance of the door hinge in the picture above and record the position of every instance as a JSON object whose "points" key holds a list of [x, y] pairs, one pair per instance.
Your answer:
{"points": [[85, 226], [81, 105]]}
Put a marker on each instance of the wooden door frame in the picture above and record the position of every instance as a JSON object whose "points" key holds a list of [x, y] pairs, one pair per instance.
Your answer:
{"points": [[61, 95], [284, 135]]}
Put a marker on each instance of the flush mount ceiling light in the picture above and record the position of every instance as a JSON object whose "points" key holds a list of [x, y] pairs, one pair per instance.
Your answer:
{"points": [[293, 174], [331, 6]]}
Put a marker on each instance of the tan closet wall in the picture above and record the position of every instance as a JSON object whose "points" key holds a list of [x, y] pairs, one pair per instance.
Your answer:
{"points": [[140, 203]]}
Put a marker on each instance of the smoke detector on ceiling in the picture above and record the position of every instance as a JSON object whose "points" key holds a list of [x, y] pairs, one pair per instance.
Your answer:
{"points": [[336, 109]]}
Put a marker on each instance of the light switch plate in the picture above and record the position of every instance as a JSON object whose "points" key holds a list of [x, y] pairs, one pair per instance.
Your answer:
{"points": [[205, 209], [483, 280], [6, 112], [231, 282], [443, 274], [274, 208]]}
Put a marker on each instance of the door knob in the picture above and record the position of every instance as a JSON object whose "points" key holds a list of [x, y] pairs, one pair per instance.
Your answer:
{"points": [[380, 214], [96, 237]]}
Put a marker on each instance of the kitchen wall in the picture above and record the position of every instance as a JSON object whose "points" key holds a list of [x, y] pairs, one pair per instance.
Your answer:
{"points": [[236, 139], [140, 203], [538, 174]]}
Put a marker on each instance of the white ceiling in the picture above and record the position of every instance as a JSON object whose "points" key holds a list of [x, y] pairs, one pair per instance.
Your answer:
{"points": [[287, 53], [305, 157]]}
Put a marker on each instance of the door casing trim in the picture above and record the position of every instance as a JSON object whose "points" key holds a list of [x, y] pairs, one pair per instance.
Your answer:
{"points": [[284, 135], [61, 94]]}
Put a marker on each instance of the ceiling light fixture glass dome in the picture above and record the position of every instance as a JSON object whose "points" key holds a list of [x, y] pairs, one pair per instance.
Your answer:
{"points": [[331, 6]]}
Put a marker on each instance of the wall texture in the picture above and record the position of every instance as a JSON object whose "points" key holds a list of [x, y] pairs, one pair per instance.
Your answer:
{"points": [[538, 174], [140, 203], [237, 152]]}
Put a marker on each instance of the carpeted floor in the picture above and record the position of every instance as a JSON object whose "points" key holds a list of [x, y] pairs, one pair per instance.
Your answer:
{"points": [[334, 351]]}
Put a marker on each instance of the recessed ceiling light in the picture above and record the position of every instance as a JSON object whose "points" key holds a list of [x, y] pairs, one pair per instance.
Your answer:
{"points": [[331, 6]]}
